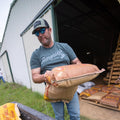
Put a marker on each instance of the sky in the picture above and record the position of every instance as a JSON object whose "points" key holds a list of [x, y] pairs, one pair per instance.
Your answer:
{"points": [[4, 10]]}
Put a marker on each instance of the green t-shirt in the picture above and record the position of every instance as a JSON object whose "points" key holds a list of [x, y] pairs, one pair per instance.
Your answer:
{"points": [[47, 58]]}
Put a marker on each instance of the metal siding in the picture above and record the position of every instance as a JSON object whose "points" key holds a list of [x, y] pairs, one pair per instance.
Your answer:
{"points": [[30, 44], [20, 16]]}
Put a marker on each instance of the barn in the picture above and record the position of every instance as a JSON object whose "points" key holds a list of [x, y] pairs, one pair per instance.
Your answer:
{"points": [[91, 28]]}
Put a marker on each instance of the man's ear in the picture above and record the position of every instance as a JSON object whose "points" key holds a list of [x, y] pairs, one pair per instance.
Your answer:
{"points": [[50, 29]]}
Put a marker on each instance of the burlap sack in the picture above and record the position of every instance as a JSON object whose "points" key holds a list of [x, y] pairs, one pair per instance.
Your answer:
{"points": [[88, 92], [56, 94], [111, 100], [72, 75], [97, 96], [9, 111]]}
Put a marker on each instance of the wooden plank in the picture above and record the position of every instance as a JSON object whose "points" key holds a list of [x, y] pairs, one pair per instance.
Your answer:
{"points": [[118, 49], [115, 77], [117, 57], [117, 54], [117, 61], [116, 65], [101, 105], [108, 74], [108, 68], [110, 63], [116, 68], [116, 73], [112, 81]]}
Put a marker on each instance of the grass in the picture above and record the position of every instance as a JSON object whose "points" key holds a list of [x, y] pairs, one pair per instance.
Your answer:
{"points": [[10, 92]]}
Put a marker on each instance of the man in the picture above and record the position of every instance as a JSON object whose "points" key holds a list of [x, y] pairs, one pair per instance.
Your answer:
{"points": [[49, 55]]}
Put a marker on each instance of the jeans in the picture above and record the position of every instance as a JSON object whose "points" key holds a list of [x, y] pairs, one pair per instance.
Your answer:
{"points": [[1, 77], [73, 108]]}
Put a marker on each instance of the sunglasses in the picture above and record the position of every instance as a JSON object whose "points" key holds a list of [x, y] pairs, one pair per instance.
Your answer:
{"points": [[42, 31]]}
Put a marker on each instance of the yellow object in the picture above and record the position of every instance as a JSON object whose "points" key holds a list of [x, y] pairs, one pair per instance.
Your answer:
{"points": [[9, 111], [45, 97], [49, 79], [84, 94], [118, 86]]}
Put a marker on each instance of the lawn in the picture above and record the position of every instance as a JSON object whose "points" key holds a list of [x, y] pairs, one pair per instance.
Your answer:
{"points": [[10, 92]]}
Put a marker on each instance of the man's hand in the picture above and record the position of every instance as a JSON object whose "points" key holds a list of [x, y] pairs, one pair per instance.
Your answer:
{"points": [[49, 76]]}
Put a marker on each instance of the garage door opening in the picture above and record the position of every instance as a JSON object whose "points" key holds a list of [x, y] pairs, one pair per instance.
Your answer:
{"points": [[91, 28]]}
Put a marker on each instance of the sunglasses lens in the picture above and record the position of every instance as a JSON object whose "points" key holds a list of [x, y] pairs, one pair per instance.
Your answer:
{"points": [[42, 31], [37, 33]]}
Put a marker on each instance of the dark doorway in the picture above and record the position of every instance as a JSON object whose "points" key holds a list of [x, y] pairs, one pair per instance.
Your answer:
{"points": [[91, 28]]}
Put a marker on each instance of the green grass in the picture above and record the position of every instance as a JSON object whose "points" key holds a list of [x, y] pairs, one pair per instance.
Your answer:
{"points": [[13, 92]]}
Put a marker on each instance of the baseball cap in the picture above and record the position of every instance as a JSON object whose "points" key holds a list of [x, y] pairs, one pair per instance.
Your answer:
{"points": [[40, 22]]}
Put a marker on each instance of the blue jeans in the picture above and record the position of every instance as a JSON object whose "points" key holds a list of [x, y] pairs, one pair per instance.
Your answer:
{"points": [[73, 108], [1, 77]]}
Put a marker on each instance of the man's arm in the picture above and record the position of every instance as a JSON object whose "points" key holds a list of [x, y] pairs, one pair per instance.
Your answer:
{"points": [[36, 76], [39, 78], [76, 61]]}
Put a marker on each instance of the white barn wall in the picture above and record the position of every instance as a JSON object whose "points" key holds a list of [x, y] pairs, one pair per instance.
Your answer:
{"points": [[22, 13], [34, 44], [7, 71], [2, 69]]}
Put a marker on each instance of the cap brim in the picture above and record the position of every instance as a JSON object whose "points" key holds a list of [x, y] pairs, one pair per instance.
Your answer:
{"points": [[33, 32]]}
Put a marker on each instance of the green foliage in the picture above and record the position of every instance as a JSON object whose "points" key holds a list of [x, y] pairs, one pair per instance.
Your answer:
{"points": [[10, 92]]}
